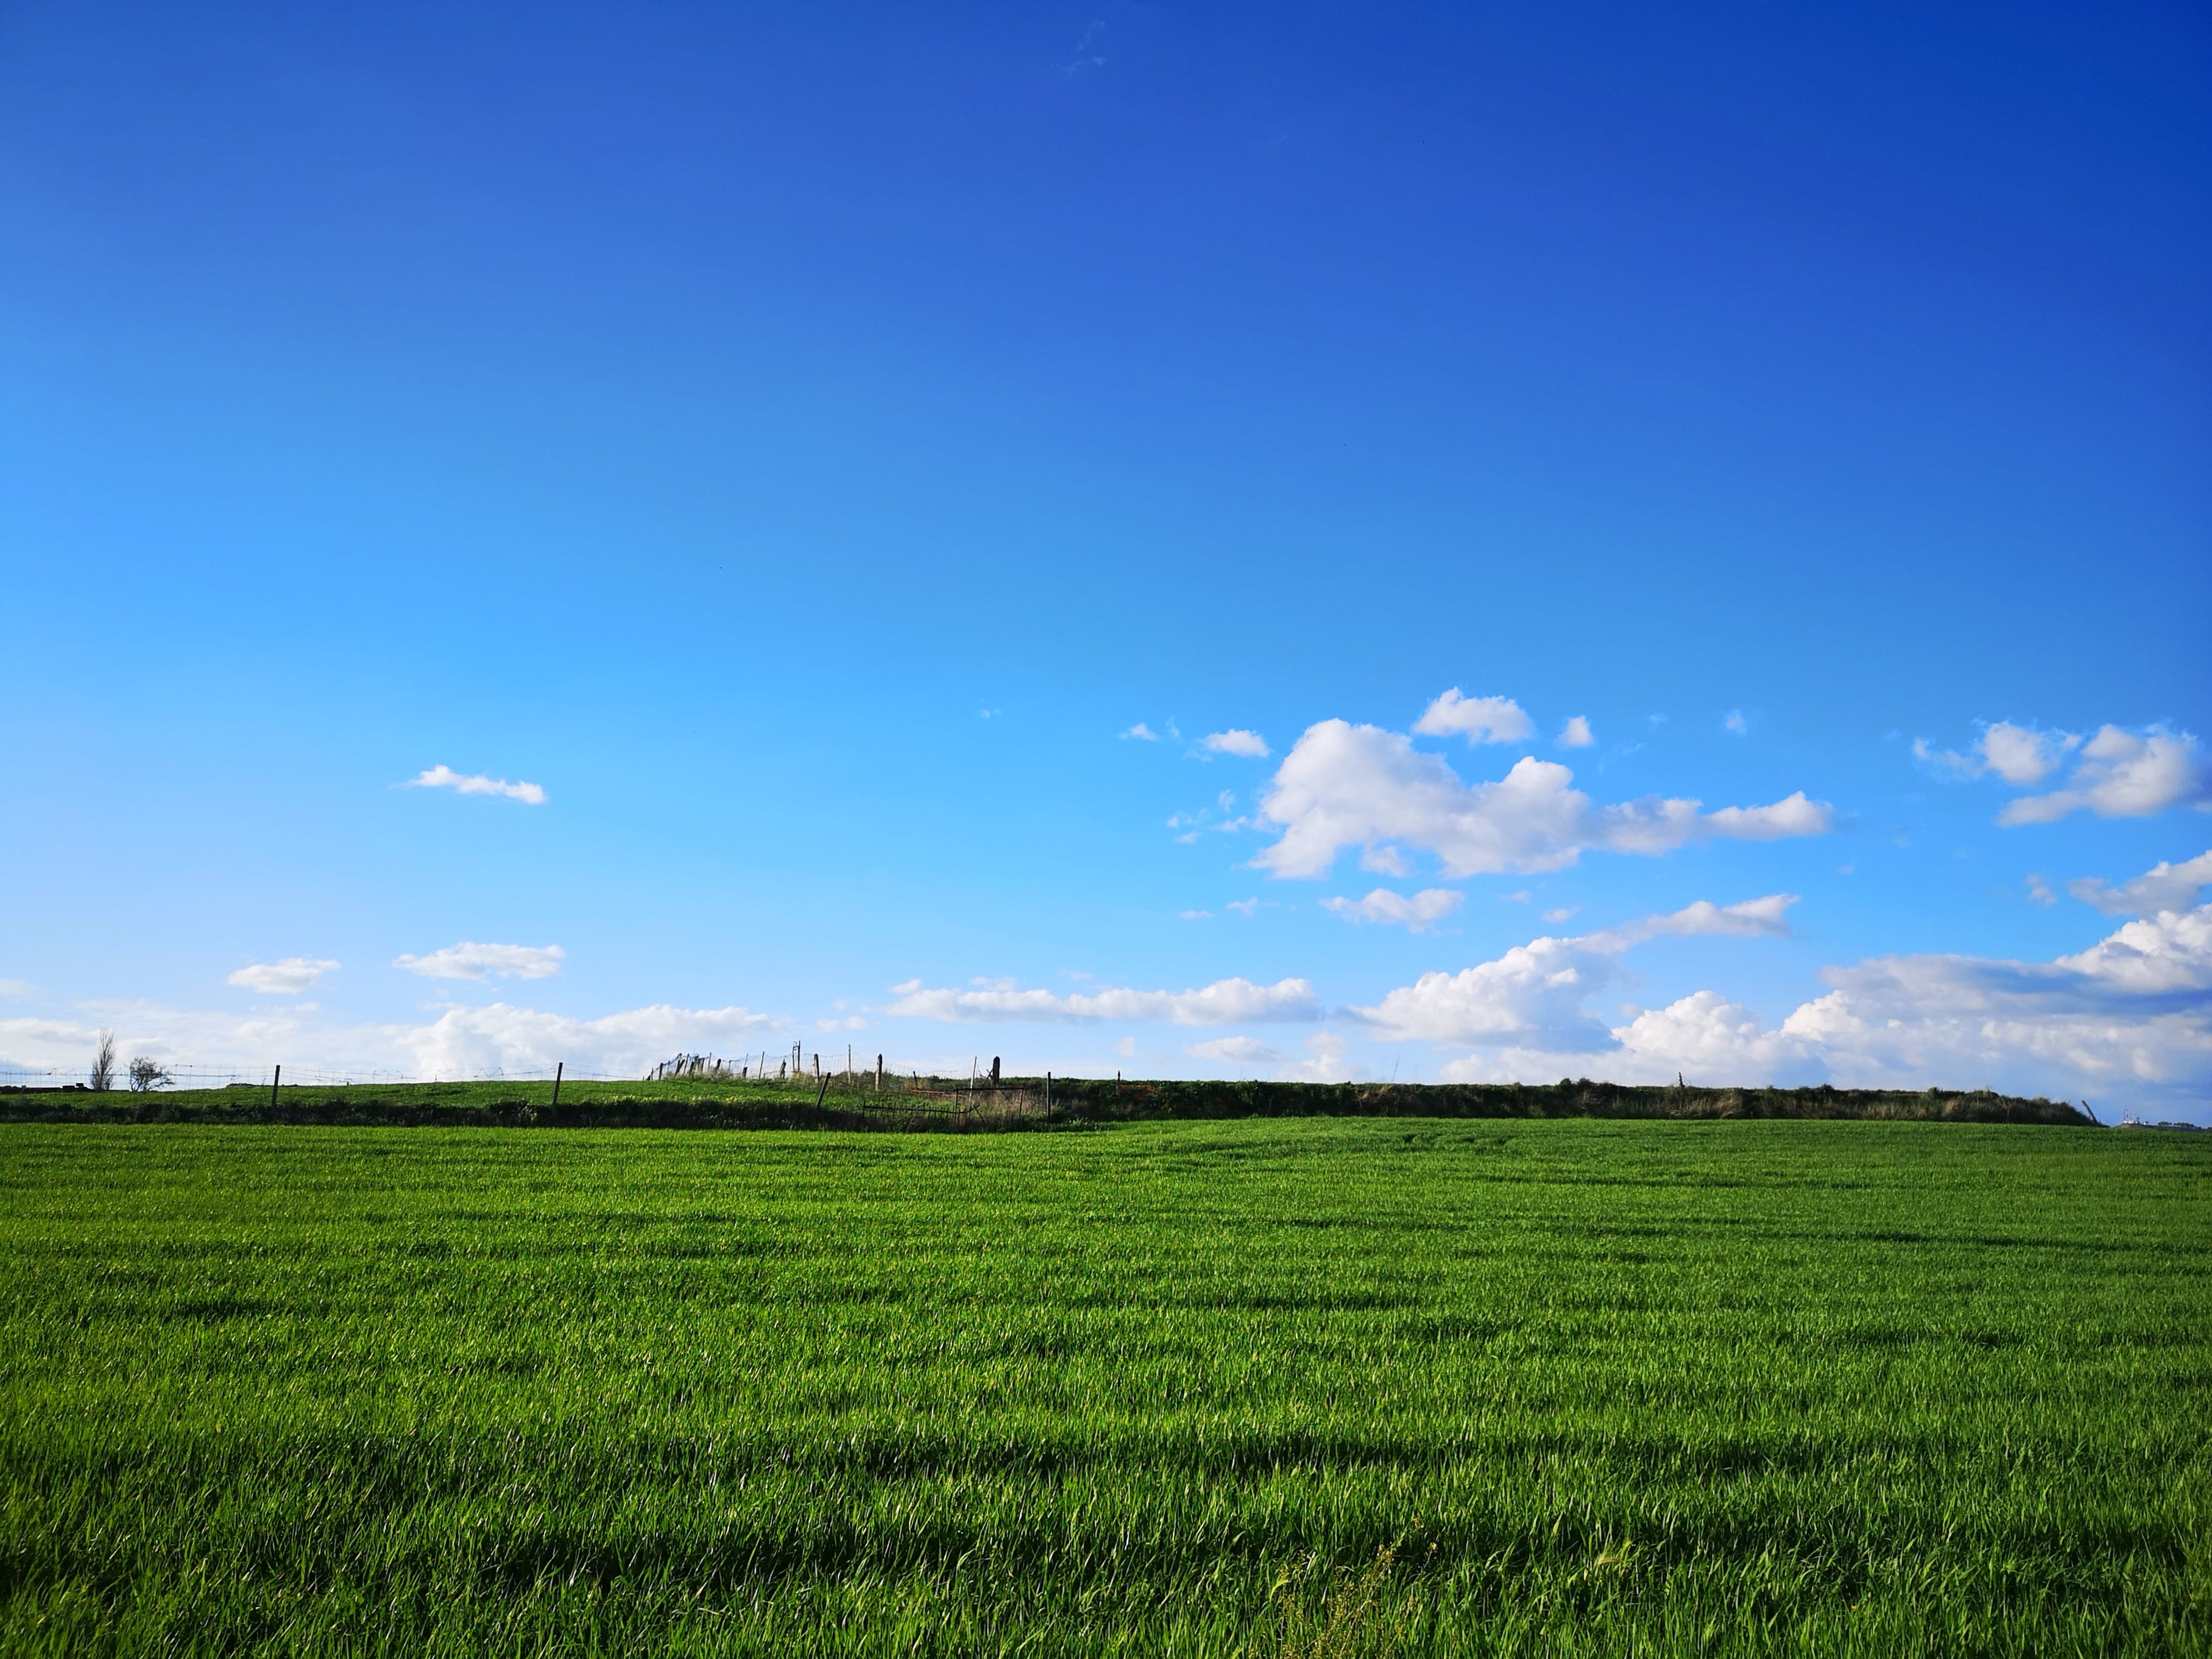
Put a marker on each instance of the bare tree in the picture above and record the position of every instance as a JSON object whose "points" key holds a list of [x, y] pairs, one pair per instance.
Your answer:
{"points": [[146, 1074], [103, 1062]]}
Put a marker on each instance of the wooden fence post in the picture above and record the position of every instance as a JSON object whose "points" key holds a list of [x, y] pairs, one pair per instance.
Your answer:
{"points": [[560, 1067], [273, 1082]]}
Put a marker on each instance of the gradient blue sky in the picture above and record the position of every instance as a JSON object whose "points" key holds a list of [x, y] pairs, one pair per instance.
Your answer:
{"points": [[800, 441]]}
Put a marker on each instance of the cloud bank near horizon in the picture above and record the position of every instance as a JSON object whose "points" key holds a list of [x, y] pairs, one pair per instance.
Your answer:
{"points": [[2126, 1016], [2130, 1014], [459, 1043]]}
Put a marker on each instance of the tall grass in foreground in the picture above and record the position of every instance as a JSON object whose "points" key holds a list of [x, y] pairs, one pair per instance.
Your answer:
{"points": [[1265, 1387]]}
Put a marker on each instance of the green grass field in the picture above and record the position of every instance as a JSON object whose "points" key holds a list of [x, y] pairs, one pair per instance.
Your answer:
{"points": [[1262, 1387]]}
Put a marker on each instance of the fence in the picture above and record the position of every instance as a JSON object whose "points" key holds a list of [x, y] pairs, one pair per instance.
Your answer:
{"points": [[797, 1069], [211, 1077]]}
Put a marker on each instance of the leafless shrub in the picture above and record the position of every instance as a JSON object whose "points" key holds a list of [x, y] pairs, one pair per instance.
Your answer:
{"points": [[146, 1074], [103, 1062]]}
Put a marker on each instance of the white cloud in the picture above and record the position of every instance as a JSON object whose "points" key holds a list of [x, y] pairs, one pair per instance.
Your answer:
{"points": [[1576, 734], [1220, 817], [1534, 996], [1718, 1040], [468, 960], [1759, 918], [1324, 1061], [2117, 774], [2020, 755], [288, 978], [1734, 722], [2163, 887], [1224, 1002], [2123, 775], [1359, 785], [2171, 952], [1250, 745], [444, 777], [1478, 720], [1236, 1051], [2039, 892], [1565, 912], [1416, 915], [16, 988], [1196, 915], [1141, 731]]}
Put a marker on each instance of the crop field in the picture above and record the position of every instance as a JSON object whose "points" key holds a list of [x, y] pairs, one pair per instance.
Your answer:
{"points": [[1265, 1387]]}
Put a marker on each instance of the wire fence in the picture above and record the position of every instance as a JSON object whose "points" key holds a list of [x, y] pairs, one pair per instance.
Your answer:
{"points": [[216, 1077], [795, 1068]]}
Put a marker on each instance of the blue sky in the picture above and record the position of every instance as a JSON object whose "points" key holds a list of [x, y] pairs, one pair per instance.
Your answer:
{"points": [[802, 443]]}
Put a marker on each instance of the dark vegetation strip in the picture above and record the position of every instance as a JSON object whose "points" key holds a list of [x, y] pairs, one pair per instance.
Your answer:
{"points": [[937, 1105]]}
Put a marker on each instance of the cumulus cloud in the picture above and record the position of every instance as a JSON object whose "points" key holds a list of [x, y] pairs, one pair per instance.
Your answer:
{"points": [[16, 988], [2153, 956], [291, 977], [444, 777], [1416, 915], [1235, 1051], [1478, 720], [1706, 1034], [2020, 755], [2163, 887], [1141, 732], [1535, 996], [1224, 1002], [2117, 774], [468, 960], [2123, 775], [1235, 741], [1576, 734], [1324, 1061], [1360, 785], [1734, 722]]}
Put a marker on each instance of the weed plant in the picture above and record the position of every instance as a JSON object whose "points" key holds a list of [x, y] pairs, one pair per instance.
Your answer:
{"points": [[1268, 1387]]}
